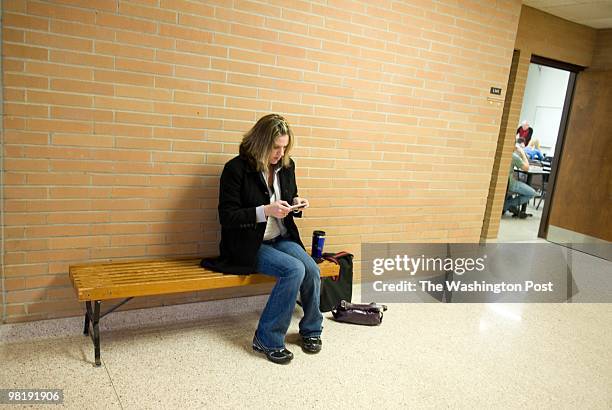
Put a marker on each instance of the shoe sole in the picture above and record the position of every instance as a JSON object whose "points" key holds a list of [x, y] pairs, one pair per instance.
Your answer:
{"points": [[306, 350], [285, 360], [314, 350]]}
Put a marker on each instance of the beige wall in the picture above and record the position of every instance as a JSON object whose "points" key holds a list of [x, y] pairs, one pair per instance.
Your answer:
{"points": [[602, 55], [547, 36], [118, 117]]}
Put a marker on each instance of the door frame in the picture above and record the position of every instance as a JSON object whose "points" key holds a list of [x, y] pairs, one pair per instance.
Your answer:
{"points": [[565, 113]]}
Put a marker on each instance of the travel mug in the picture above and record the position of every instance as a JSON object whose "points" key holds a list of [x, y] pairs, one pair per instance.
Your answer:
{"points": [[318, 239]]}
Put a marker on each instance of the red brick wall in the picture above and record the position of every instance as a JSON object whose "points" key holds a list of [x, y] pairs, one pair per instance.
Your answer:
{"points": [[118, 116]]}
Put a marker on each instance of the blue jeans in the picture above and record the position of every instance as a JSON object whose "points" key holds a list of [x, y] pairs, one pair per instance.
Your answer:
{"points": [[524, 191], [295, 271]]}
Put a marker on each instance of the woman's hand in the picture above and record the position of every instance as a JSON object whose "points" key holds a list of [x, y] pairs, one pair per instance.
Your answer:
{"points": [[298, 201], [278, 209]]}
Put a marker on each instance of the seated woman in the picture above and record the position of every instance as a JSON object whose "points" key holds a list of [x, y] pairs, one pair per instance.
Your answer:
{"points": [[533, 150], [523, 192], [258, 234]]}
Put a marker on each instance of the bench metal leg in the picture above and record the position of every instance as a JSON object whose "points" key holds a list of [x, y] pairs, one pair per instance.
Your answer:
{"points": [[92, 315], [86, 327], [96, 331]]}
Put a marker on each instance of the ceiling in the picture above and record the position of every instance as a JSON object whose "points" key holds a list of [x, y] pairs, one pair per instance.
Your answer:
{"points": [[596, 14]]}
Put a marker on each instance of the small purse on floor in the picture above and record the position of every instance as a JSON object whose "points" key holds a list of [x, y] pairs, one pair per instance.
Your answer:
{"points": [[359, 314]]}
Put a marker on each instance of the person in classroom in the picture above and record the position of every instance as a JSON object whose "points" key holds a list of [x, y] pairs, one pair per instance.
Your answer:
{"points": [[524, 193], [533, 150], [524, 131]]}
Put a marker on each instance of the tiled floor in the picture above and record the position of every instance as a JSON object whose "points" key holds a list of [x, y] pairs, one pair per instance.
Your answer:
{"points": [[521, 230], [423, 355]]}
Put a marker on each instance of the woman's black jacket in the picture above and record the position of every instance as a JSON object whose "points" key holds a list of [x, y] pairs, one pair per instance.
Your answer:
{"points": [[242, 189]]}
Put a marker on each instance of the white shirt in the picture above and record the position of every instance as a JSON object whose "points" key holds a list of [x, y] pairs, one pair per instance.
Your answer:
{"points": [[274, 226]]}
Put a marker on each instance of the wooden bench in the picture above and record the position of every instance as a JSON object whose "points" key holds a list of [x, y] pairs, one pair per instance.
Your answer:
{"points": [[95, 282]]}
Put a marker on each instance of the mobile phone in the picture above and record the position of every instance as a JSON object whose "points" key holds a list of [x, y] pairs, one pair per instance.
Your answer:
{"points": [[298, 206]]}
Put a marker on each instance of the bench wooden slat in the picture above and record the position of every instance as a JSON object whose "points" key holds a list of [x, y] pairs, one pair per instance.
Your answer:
{"points": [[141, 275], [101, 281], [123, 266], [141, 270], [111, 280], [159, 261]]}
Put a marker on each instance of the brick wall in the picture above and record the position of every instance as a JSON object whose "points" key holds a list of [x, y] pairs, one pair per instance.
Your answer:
{"points": [[118, 116], [544, 35], [498, 184]]}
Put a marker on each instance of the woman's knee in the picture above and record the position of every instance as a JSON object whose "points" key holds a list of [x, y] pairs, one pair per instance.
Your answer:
{"points": [[312, 271], [295, 270]]}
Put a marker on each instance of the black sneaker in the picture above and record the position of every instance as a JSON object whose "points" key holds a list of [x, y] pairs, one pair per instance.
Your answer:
{"points": [[279, 356], [312, 344]]}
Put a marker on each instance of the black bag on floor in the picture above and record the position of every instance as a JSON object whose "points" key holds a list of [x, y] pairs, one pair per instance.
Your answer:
{"points": [[337, 288]]}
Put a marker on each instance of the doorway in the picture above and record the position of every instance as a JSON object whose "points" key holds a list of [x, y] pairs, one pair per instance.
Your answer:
{"points": [[546, 105]]}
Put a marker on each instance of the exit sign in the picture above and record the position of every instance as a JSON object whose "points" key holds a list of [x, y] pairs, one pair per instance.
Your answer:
{"points": [[495, 90]]}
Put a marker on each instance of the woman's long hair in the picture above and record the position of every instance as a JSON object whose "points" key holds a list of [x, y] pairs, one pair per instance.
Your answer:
{"points": [[258, 142]]}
